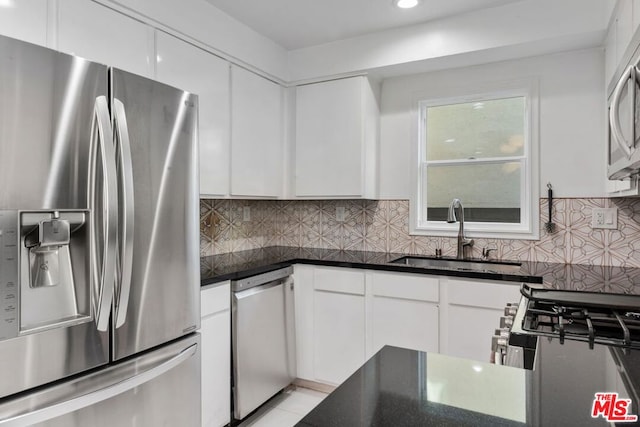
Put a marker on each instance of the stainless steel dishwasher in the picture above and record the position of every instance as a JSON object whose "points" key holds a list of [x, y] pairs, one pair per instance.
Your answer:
{"points": [[262, 338]]}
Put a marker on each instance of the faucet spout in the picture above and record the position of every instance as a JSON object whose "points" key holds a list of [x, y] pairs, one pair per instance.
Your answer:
{"points": [[456, 205]]}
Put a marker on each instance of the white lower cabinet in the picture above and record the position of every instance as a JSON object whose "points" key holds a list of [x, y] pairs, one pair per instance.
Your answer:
{"points": [[472, 314], [403, 311], [339, 335], [338, 313], [343, 316], [215, 330]]}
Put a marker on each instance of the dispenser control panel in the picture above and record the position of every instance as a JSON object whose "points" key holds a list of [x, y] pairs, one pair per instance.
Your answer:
{"points": [[9, 268]]}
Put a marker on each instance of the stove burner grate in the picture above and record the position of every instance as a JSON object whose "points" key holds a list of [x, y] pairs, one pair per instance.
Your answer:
{"points": [[593, 317]]}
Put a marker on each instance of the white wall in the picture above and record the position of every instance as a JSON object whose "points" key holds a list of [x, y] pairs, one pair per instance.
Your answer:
{"points": [[572, 119]]}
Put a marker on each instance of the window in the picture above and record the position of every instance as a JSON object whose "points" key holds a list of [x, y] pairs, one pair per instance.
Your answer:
{"points": [[479, 149]]}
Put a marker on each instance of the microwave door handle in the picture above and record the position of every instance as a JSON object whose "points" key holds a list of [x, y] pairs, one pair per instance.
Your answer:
{"points": [[123, 148], [633, 75], [614, 118], [103, 273]]}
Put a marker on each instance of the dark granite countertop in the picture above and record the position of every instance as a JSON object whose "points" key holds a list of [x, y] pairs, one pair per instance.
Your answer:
{"points": [[400, 387], [241, 264]]}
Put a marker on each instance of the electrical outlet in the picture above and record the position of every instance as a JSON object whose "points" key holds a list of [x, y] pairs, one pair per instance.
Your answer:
{"points": [[604, 218], [340, 214], [246, 213]]}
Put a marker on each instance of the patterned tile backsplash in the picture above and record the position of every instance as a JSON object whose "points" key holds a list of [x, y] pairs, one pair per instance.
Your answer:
{"points": [[383, 225]]}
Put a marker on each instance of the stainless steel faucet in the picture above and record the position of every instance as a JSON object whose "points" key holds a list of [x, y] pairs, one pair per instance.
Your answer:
{"points": [[456, 204]]}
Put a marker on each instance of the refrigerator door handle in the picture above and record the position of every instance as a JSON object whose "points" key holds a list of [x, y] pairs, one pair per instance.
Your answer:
{"points": [[64, 407], [103, 203], [127, 210]]}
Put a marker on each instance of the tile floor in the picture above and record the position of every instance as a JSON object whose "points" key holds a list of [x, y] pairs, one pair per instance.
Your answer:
{"points": [[286, 409]]}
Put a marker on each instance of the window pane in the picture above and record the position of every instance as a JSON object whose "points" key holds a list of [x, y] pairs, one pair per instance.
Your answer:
{"points": [[489, 192], [493, 128]]}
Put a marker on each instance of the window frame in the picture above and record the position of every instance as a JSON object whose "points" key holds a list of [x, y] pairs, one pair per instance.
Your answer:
{"points": [[528, 228]]}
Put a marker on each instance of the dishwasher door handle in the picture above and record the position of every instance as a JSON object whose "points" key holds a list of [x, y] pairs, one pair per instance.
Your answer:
{"points": [[258, 289]]}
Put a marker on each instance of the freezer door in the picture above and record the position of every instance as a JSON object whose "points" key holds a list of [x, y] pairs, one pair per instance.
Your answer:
{"points": [[47, 103], [46, 107], [156, 134], [159, 388]]}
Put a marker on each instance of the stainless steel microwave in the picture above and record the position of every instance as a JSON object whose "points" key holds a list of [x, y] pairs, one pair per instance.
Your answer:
{"points": [[624, 125]]}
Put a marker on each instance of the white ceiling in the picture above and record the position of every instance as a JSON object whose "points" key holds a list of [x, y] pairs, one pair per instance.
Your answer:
{"points": [[296, 24]]}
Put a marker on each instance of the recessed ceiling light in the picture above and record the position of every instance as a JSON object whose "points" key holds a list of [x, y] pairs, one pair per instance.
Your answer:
{"points": [[406, 4], [7, 3]]}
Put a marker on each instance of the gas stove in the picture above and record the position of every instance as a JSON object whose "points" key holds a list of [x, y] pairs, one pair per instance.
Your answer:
{"points": [[592, 317]]}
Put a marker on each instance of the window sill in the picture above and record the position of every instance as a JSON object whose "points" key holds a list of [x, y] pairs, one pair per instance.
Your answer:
{"points": [[472, 232]]}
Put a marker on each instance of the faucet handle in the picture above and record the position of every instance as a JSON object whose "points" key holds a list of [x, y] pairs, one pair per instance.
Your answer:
{"points": [[486, 252]]}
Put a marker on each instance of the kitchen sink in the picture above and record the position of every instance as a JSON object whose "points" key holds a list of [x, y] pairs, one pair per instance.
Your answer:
{"points": [[504, 267]]}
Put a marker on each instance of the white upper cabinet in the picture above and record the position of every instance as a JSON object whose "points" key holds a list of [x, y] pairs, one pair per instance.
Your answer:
{"points": [[610, 55], [257, 138], [99, 34], [187, 67], [635, 17], [25, 20], [624, 27], [336, 140]]}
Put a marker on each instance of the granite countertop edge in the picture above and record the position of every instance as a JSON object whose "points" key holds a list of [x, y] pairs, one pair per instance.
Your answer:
{"points": [[242, 264], [244, 273]]}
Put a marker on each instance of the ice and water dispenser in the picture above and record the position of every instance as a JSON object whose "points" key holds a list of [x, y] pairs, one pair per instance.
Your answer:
{"points": [[45, 277]]}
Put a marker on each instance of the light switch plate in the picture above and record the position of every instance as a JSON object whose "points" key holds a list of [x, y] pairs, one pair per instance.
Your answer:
{"points": [[340, 213], [604, 218], [246, 213]]}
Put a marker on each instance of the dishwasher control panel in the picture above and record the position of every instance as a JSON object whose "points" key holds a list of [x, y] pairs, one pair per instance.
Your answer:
{"points": [[260, 279]]}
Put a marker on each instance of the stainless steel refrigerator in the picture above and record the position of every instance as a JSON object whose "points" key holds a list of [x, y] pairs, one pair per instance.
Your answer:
{"points": [[99, 267]]}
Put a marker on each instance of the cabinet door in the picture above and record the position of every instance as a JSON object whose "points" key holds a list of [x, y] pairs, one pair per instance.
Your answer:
{"points": [[624, 27], [329, 139], [339, 323], [257, 147], [189, 68], [339, 335], [25, 20], [404, 323], [303, 309], [215, 329], [472, 315], [469, 331], [610, 58], [403, 312], [635, 5], [94, 32]]}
